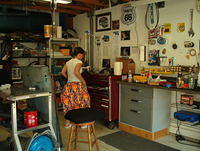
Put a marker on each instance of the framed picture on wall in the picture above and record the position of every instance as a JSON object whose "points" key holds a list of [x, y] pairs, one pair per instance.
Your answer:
{"points": [[103, 22], [115, 25], [125, 51], [125, 35]]}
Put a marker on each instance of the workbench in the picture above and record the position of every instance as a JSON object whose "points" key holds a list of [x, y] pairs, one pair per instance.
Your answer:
{"points": [[18, 93], [145, 109]]}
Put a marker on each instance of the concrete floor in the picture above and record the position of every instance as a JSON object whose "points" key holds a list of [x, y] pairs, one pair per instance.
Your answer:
{"points": [[101, 130]]}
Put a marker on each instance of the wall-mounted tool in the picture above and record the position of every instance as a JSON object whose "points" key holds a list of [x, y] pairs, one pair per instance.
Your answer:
{"points": [[188, 44], [191, 31]]}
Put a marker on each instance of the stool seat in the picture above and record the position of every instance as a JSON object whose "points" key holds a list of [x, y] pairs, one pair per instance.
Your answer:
{"points": [[84, 115]]}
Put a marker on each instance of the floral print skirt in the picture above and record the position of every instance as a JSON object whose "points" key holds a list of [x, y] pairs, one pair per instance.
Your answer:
{"points": [[74, 96]]}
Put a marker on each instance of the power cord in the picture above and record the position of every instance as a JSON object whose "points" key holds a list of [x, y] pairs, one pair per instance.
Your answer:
{"points": [[179, 137]]}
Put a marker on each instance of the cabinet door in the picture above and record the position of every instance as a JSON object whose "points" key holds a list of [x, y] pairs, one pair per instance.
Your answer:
{"points": [[136, 106]]}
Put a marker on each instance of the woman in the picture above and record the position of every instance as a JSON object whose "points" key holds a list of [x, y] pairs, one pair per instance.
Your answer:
{"points": [[74, 94]]}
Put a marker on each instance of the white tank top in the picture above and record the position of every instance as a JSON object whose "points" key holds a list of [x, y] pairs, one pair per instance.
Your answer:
{"points": [[71, 64]]}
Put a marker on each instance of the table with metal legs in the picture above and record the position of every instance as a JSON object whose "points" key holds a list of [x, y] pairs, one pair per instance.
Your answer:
{"points": [[18, 94]]}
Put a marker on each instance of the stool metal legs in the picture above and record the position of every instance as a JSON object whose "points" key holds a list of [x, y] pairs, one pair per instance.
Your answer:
{"points": [[74, 132]]}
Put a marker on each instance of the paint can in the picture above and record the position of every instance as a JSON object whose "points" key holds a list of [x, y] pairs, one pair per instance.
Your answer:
{"points": [[50, 31], [47, 31]]}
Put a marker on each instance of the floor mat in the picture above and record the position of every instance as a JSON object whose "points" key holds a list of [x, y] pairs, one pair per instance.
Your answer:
{"points": [[128, 142]]}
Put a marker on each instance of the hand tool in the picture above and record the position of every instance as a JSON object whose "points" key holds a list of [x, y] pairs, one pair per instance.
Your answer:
{"points": [[191, 31]]}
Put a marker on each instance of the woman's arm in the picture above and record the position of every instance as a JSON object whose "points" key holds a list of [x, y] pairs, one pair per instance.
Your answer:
{"points": [[78, 74], [64, 71]]}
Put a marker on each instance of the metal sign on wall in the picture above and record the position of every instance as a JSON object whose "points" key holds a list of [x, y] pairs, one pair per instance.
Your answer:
{"points": [[128, 14]]}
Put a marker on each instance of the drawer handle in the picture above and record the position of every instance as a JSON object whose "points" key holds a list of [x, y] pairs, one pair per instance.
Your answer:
{"points": [[137, 101], [105, 100], [136, 90], [104, 106], [135, 111]]}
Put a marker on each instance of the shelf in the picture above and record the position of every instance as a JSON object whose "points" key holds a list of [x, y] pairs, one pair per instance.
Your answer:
{"points": [[33, 57], [186, 124], [61, 57], [186, 107], [58, 40], [57, 55], [39, 40]]}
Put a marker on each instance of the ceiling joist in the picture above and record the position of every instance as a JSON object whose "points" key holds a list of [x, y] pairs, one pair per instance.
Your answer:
{"points": [[93, 2], [11, 3], [57, 10], [77, 7]]}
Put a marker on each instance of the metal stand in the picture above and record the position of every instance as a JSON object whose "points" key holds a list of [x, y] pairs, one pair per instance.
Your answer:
{"points": [[15, 131]]}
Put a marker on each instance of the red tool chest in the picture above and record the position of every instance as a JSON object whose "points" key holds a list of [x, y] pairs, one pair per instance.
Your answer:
{"points": [[104, 93]]}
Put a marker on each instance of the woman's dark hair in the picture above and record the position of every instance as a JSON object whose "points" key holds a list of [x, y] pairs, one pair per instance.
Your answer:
{"points": [[76, 51]]}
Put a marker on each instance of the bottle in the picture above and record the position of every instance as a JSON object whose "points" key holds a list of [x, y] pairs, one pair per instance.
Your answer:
{"points": [[198, 79], [130, 78], [191, 81], [179, 80], [149, 78]]}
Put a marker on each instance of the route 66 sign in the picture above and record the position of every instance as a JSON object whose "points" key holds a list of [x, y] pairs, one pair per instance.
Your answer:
{"points": [[128, 14]]}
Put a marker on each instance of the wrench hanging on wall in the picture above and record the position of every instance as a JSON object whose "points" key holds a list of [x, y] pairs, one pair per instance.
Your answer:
{"points": [[191, 31]]}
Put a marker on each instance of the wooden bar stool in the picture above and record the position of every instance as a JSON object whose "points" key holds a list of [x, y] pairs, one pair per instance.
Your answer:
{"points": [[83, 117]]}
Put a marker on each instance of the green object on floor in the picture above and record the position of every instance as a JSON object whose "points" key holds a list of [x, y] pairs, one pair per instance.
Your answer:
{"points": [[128, 142]]}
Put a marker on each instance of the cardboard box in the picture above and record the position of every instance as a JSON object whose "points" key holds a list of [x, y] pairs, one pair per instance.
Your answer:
{"points": [[128, 64]]}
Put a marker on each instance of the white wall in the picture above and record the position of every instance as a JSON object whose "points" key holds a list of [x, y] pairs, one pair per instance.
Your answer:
{"points": [[175, 11], [81, 24]]}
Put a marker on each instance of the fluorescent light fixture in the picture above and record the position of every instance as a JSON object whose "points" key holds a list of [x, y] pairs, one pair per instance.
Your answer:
{"points": [[145, 2], [60, 1]]}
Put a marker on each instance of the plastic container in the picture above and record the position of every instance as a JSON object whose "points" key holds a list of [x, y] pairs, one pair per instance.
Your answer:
{"points": [[130, 78], [31, 119]]}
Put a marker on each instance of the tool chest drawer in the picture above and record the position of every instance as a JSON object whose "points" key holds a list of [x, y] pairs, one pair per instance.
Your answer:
{"points": [[137, 92], [136, 113], [137, 95], [104, 95]]}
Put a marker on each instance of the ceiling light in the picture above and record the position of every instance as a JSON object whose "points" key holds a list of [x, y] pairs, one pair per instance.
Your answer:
{"points": [[59, 1]]}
